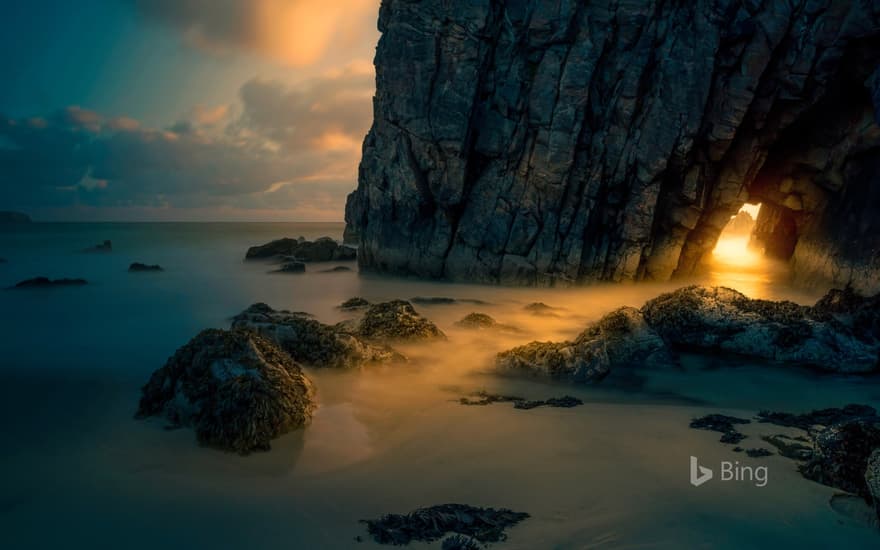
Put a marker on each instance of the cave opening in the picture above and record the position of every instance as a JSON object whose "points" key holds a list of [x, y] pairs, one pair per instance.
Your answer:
{"points": [[746, 258]]}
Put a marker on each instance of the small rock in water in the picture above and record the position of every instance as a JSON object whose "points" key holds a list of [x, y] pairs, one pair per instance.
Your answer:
{"points": [[540, 308], [564, 402], [323, 249], [485, 398], [397, 320], [291, 267], [139, 267], [477, 320], [355, 303], [443, 301], [106, 246], [337, 269], [237, 389], [433, 523], [758, 453], [45, 282]]}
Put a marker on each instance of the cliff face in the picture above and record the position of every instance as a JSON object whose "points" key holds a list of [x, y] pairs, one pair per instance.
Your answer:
{"points": [[549, 142]]}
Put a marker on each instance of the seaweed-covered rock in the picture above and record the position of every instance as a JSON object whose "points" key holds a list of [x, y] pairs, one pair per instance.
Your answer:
{"points": [[397, 320], [484, 398], [722, 319], [841, 453], [138, 267], [872, 479], [312, 342], [45, 282], [619, 338], [721, 423], [820, 417], [460, 542], [323, 249], [433, 523], [237, 389]]}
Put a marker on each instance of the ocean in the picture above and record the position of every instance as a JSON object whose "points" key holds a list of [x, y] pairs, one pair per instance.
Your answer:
{"points": [[78, 470]]}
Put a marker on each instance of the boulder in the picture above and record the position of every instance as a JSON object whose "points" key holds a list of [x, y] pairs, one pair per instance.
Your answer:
{"points": [[311, 342], [477, 321], [397, 320], [137, 267], [236, 389], [323, 249]]}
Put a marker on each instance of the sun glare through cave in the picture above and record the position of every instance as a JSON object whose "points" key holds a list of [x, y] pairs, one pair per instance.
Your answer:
{"points": [[738, 262]]}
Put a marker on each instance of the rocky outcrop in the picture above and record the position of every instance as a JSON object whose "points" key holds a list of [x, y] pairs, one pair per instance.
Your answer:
{"points": [[324, 249], [872, 480], [311, 342], [841, 454], [561, 142], [841, 333], [236, 389], [45, 282]]}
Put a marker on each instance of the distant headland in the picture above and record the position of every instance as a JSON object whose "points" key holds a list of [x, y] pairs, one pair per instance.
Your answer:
{"points": [[8, 216]]}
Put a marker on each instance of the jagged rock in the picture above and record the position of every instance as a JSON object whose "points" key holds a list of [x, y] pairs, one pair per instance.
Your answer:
{"points": [[741, 224], [323, 249], [138, 267], [106, 246], [841, 453], [556, 142], [432, 523], [312, 342], [45, 282], [397, 320], [872, 479], [722, 319], [619, 338], [291, 267], [237, 390], [355, 303]]}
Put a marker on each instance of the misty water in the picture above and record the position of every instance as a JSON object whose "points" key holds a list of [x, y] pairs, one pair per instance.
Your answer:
{"points": [[78, 469]]}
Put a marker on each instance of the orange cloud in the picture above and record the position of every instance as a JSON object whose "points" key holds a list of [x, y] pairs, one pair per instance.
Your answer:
{"points": [[204, 115], [294, 32]]}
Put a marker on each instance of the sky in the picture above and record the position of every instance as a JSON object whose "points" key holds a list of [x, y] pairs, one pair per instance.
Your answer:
{"points": [[184, 110]]}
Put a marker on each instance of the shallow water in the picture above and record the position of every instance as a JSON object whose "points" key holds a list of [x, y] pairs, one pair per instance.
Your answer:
{"points": [[79, 471]]}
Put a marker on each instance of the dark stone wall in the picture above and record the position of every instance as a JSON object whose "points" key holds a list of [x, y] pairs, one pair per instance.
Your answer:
{"points": [[559, 142]]}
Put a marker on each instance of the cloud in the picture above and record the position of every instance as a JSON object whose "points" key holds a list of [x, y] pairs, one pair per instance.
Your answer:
{"points": [[294, 32], [291, 149]]}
